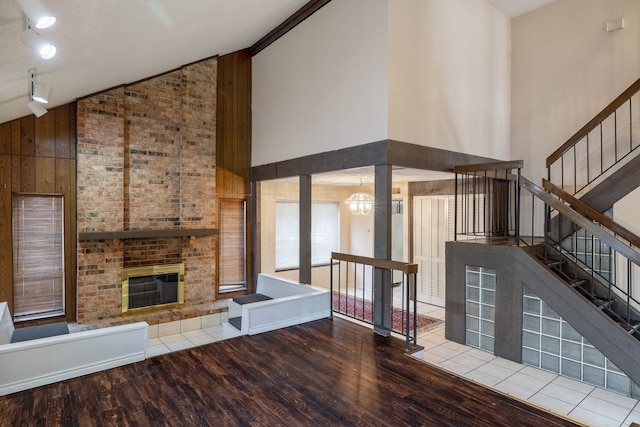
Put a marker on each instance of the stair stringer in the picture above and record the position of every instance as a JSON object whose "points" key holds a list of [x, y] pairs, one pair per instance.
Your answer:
{"points": [[595, 326]]}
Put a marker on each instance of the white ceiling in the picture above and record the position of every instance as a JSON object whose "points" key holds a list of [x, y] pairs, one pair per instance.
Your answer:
{"points": [[106, 43], [514, 8]]}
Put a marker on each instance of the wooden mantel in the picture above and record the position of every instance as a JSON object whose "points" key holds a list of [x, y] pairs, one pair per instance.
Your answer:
{"points": [[141, 234]]}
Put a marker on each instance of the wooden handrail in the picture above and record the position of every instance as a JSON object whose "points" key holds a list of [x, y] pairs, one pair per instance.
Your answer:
{"points": [[492, 166], [405, 267], [592, 214], [600, 117], [582, 221]]}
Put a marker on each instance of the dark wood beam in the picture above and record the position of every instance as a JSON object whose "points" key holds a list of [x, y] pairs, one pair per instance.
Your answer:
{"points": [[290, 23], [141, 234]]}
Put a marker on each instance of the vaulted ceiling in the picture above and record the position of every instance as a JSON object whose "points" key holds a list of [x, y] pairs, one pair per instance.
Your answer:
{"points": [[106, 43]]}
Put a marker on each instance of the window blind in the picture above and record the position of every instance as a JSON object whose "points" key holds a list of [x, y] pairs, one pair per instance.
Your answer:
{"points": [[38, 255]]}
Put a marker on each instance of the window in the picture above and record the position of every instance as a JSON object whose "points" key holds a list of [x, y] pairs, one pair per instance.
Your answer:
{"points": [[231, 269], [38, 255], [325, 233]]}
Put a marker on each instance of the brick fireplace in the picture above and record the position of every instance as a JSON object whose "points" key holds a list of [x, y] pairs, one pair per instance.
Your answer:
{"points": [[146, 186]]}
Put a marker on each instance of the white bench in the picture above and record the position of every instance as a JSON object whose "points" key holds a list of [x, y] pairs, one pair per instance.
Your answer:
{"points": [[41, 361], [289, 303]]}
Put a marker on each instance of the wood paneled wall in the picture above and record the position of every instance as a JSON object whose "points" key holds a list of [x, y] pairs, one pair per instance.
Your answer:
{"points": [[233, 131], [233, 138], [37, 155]]}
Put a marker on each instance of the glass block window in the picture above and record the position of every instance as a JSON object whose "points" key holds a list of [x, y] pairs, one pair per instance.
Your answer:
{"points": [[480, 307], [550, 343]]}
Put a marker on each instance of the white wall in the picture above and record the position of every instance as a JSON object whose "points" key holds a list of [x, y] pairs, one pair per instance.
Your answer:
{"points": [[449, 78], [565, 69], [323, 85]]}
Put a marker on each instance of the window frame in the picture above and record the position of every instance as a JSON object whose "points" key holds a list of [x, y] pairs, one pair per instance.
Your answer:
{"points": [[296, 237]]}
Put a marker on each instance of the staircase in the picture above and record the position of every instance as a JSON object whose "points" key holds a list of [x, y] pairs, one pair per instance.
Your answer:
{"points": [[585, 264]]}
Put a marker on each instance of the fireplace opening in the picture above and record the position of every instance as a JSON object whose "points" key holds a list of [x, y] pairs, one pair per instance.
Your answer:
{"points": [[152, 286]]}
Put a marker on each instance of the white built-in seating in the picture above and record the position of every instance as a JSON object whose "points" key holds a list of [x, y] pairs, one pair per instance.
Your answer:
{"points": [[45, 360], [277, 303]]}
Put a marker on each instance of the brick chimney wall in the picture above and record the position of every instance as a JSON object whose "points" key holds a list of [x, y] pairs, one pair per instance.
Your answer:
{"points": [[146, 161]]}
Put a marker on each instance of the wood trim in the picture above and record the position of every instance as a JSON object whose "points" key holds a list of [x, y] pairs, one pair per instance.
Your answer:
{"points": [[289, 24], [606, 112], [582, 221], [592, 214], [142, 234], [405, 267], [385, 151], [493, 166]]}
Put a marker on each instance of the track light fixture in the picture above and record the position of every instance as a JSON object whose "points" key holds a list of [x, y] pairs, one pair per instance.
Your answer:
{"points": [[37, 109], [38, 95], [35, 41], [37, 14]]}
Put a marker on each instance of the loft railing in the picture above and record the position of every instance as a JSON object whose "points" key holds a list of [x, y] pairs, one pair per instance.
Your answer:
{"points": [[353, 296], [601, 144], [486, 200]]}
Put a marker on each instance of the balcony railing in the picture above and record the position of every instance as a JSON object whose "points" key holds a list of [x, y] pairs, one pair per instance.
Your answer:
{"points": [[352, 289]]}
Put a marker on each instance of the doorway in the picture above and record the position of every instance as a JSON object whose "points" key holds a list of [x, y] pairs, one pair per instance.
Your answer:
{"points": [[433, 225]]}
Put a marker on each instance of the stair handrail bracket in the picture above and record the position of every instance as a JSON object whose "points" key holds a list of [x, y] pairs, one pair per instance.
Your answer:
{"points": [[353, 295]]}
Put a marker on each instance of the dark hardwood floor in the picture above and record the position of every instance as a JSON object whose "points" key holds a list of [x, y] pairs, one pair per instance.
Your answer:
{"points": [[327, 372]]}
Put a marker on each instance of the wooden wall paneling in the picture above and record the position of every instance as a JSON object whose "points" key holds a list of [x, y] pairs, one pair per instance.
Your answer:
{"points": [[65, 179], [27, 174], [45, 174], [5, 138], [27, 136], [16, 167], [73, 135], [6, 242], [62, 132], [45, 143], [15, 137], [233, 155], [244, 122]]}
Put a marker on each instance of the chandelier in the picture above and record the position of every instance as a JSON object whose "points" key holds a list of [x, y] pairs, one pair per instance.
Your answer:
{"points": [[360, 203]]}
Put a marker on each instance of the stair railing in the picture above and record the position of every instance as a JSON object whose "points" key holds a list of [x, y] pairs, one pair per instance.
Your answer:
{"points": [[524, 211], [593, 243], [600, 145], [352, 291]]}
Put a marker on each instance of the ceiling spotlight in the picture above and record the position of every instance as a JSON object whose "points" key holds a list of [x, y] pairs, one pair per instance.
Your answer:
{"points": [[41, 92], [38, 94], [36, 42], [36, 108], [37, 13]]}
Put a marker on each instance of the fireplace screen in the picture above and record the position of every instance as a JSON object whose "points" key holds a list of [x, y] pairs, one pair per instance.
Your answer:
{"points": [[152, 286]]}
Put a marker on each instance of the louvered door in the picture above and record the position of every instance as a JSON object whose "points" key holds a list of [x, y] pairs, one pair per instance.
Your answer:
{"points": [[433, 218]]}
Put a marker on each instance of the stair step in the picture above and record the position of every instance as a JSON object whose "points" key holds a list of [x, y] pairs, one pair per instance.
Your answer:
{"points": [[236, 322], [634, 328], [553, 263], [577, 283], [605, 305]]}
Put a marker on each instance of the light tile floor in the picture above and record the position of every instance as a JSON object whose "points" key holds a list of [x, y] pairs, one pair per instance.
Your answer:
{"points": [[578, 401]]}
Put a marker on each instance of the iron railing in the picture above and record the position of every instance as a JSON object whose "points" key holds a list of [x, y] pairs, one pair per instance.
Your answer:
{"points": [[601, 144], [352, 290], [598, 256], [487, 200]]}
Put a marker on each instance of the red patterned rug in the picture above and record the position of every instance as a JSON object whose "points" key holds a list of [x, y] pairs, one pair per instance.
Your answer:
{"points": [[361, 309]]}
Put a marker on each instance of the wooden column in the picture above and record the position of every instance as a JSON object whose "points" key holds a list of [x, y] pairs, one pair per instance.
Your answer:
{"points": [[305, 229], [382, 289]]}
